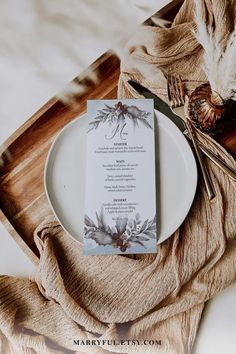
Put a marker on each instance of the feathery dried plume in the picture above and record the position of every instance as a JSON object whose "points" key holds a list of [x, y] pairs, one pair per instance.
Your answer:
{"points": [[219, 63], [227, 68]]}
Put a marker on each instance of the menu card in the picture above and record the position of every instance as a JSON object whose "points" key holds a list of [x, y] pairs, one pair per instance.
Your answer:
{"points": [[120, 202]]}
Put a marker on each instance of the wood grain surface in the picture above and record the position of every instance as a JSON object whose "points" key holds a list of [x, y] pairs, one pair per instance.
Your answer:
{"points": [[23, 202], [22, 198]]}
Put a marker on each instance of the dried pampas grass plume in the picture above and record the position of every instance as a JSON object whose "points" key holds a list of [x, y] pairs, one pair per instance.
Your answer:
{"points": [[219, 62]]}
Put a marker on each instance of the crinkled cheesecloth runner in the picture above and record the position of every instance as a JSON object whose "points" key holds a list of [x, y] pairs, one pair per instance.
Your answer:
{"points": [[157, 297]]}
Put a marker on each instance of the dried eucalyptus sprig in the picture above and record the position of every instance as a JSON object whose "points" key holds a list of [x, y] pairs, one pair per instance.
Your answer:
{"points": [[219, 62], [117, 115], [123, 235]]}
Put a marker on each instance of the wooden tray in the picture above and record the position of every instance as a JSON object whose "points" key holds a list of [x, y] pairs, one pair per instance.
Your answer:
{"points": [[22, 197], [23, 204]]}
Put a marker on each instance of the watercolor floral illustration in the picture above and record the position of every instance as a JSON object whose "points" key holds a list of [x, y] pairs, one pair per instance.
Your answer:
{"points": [[116, 116], [123, 235]]}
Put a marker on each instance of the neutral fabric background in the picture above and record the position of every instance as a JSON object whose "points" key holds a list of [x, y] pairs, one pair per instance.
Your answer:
{"points": [[21, 80]]}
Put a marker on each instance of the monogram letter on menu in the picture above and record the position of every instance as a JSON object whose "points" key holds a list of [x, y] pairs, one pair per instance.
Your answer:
{"points": [[120, 202]]}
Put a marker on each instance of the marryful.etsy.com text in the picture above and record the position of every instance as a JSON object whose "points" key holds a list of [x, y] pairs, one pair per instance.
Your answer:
{"points": [[102, 342]]}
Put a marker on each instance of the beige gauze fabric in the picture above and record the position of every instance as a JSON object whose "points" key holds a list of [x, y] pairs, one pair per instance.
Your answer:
{"points": [[148, 297]]}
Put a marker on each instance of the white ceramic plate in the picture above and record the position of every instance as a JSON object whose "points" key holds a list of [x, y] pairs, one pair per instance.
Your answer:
{"points": [[65, 177]]}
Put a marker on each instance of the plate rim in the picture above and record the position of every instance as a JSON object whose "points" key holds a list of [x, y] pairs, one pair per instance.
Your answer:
{"points": [[174, 129]]}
